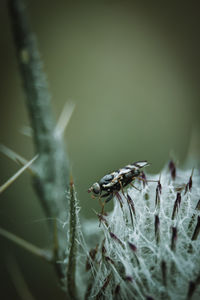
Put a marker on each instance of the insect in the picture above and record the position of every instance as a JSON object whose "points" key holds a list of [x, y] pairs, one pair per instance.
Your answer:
{"points": [[117, 180]]}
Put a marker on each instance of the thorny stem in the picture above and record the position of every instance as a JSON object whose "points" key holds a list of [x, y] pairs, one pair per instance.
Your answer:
{"points": [[52, 168], [52, 165]]}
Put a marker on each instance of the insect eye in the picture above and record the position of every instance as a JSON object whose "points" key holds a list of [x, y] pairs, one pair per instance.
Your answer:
{"points": [[96, 188]]}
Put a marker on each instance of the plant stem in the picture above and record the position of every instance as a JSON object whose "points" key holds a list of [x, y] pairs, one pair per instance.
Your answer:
{"points": [[52, 177], [52, 164]]}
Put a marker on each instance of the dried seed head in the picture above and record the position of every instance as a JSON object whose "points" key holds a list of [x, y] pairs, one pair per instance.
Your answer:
{"points": [[164, 263]]}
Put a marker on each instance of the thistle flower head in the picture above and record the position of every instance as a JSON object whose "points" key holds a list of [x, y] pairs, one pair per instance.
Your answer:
{"points": [[150, 246]]}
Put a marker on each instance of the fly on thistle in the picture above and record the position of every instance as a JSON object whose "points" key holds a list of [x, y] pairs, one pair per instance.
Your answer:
{"points": [[117, 180]]}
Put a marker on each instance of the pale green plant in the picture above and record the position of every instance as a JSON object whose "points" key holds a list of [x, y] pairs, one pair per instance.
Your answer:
{"points": [[146, 248]]}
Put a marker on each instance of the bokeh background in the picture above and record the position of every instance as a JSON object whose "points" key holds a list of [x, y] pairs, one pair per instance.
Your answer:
{"points": [[132, 69]]}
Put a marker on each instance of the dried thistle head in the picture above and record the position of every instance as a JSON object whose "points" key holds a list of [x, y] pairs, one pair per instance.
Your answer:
{"points": [[150, 247]]}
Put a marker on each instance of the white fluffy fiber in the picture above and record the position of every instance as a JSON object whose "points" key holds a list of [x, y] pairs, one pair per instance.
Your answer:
{"points": [[131, 261]]}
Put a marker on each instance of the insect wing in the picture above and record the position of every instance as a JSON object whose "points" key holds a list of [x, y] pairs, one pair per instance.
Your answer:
{"points": [[109, 183], [124, 171], [141, 164], [107, 180]]}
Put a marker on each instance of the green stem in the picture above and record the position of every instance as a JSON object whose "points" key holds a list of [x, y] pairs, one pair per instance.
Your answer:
{"points": [[52, 171], [52, 166]]}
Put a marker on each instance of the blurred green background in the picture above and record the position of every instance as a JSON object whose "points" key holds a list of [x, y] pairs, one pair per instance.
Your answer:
{"points": [[132, 70]]}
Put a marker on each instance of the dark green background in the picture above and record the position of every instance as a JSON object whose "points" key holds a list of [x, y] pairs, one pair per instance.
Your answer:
{"points": [[132, 70]]}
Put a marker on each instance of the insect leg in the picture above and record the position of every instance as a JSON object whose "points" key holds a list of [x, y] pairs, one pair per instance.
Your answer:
{"points": [[147, 180], [105, 195], [135, 187], [121, 186], [109, 198], [103, 203]]}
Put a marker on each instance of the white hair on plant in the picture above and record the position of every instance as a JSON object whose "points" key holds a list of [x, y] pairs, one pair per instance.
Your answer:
{"points": [[150, 247]]}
